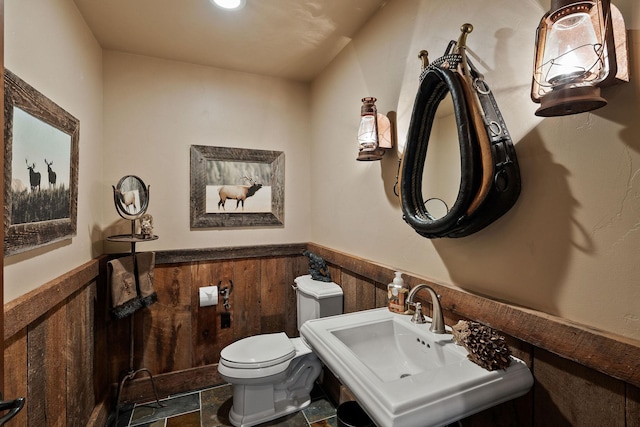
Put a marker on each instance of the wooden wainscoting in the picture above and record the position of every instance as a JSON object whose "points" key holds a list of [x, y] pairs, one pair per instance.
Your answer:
{"points": [[49, 352], [175, 335], [66, 353]]}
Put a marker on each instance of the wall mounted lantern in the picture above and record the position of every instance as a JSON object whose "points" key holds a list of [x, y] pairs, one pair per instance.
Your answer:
{"points": [[581, 46], [376, 132]]}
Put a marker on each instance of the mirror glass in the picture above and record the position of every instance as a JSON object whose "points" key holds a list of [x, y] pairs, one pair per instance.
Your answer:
{"points": [[442, 174], [131, 197]]}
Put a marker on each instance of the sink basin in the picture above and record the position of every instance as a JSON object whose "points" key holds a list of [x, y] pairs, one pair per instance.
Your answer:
{"points": [[402, 374], [375, 344]]}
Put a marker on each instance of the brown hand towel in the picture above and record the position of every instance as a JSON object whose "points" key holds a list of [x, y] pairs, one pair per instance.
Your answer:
{"points": [[146, 263], [124, 295]]}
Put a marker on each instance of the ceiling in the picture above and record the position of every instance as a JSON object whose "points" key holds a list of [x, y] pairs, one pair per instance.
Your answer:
{"points": [[292, 39]]}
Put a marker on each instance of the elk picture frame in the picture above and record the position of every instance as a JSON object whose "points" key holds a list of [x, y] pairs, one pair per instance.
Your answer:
{"points": [[41, 194], [218, 173]]}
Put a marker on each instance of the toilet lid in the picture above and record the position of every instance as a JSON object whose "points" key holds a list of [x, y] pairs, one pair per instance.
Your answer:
{"points": [[258, 351], [316, 288]]}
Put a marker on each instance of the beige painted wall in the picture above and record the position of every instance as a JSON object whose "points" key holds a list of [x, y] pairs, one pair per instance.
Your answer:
{"points": [[569, 247], [156, 109], [48, 44], [152, 111]]}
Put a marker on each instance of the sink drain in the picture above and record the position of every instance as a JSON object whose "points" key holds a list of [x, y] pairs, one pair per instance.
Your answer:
{"points": [[405, 375]]}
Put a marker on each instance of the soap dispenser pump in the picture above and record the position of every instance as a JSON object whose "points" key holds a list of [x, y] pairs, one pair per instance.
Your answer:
{"points": [[397, 291]]}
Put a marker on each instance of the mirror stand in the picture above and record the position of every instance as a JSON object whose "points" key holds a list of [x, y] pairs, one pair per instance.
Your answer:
{"points": [[131, 198]]}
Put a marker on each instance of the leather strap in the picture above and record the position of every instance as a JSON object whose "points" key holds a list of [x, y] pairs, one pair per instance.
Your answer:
{"points": [[484, 145]]}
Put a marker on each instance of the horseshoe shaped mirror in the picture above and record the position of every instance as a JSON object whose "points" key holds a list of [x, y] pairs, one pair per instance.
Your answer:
{"points": [[433, 215], [471, 176], [442, 167], [131, 197]]}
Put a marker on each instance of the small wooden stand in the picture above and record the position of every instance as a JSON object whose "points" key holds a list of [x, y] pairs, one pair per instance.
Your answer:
{"points": [[132, 373]]}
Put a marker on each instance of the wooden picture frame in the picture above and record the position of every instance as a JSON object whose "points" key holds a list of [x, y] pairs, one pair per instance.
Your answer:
{"points": [[41, 194], [236, 187]]}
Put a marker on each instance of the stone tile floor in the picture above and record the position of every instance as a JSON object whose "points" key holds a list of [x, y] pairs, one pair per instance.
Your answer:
{"points": [[210, 408]]}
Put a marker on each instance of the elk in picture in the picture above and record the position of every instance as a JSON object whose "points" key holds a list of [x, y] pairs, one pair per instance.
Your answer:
{"points": [[51, 173], [34, 177], [238, 192]]}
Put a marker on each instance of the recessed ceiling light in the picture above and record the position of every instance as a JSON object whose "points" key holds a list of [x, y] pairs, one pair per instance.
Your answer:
{"points": [[229, 4]]}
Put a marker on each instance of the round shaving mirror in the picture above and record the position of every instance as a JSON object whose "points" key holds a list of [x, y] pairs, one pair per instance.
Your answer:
{"points": [[131, 197]]}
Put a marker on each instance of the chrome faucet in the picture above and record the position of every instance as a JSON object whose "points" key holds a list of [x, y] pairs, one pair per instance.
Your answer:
{"points": [[437, 321]]}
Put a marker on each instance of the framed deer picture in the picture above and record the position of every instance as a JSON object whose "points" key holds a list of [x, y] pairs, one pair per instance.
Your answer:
{"points": [[40, 169], [236, 187]]}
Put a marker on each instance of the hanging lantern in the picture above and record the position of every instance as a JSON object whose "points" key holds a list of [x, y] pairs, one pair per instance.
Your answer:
{"points": [[580, 47]]}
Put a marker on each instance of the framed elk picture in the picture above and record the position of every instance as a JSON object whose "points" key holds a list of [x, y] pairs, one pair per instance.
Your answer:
{"points": [[40, 169], [236, 187]]}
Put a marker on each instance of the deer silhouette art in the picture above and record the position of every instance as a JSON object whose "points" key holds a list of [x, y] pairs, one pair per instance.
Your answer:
{"points": [[52, 174], [34, 177]]}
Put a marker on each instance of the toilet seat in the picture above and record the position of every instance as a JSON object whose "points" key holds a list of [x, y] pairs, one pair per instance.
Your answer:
{"points": [[258, 351]]}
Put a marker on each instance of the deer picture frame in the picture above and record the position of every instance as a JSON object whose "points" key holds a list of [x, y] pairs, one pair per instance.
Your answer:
{"points": [[40, 169], [236, 187]]}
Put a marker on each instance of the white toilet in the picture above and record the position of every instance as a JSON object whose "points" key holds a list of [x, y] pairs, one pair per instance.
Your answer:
{"points": [[272, 375]]}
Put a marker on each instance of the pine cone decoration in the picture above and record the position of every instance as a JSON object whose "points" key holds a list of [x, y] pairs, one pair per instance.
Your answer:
{"points": [[486, 348]]}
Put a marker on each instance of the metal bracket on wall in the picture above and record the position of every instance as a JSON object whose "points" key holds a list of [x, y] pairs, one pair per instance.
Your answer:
{"points": [[225, 292], [225, 318]]}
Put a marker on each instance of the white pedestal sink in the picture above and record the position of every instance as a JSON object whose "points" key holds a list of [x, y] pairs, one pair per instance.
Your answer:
{"points": [[404, 375]]}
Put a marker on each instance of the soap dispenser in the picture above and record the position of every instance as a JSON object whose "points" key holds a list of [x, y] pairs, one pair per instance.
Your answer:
{"points": [[398, 292]]}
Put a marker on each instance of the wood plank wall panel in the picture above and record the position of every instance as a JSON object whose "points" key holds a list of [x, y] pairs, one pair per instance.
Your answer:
{"points": [[359, 293], [209, 337], [277, 296], [24, 310], [633, 406], [567, 393], [229, 253], [273, 295], [46, 380], [514, 413], [381, 295], [293, 267], [101, 321], [116, 336], [334, 271], [80, 398], [245, 299], [165, 341], [49, 354], [15, 372]]}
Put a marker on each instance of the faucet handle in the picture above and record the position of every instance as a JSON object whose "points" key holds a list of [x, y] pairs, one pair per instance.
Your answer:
{"points": [[418, 317]]}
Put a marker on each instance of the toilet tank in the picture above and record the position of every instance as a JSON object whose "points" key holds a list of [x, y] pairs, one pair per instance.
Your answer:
{"points": [[317, 299]]}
